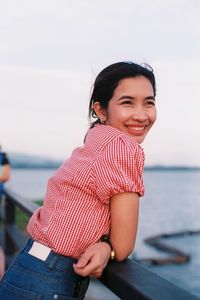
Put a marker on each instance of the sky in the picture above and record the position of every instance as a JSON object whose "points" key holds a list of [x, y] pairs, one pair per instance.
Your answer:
{"points": [[51, 51]]}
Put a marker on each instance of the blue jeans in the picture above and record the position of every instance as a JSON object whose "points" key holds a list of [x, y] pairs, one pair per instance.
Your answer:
{"points": [[32, 278]]}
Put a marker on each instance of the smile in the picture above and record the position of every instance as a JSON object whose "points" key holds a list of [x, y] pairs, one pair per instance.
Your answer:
{"points": [[136, 131], [136, 128]]}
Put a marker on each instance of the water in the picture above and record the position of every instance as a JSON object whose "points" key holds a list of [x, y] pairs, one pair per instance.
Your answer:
{"points": [[30, 183], [171, 203]]}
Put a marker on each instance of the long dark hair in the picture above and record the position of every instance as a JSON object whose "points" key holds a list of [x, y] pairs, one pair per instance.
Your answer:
{"points": [[108, 79]]}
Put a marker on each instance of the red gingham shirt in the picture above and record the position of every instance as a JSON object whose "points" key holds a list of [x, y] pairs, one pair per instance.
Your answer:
{"points": [[76, 212]]}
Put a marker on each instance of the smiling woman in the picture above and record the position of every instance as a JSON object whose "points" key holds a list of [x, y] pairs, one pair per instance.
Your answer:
{"points": [[90, 212], [131, 109]]}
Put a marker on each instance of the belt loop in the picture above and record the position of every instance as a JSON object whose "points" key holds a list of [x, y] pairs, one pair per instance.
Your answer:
{"points": [[52, 260]]}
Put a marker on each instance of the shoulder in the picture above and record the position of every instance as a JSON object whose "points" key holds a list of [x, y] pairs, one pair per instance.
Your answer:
{"points": [[125, 151], [125, 143], [106, 134], [111, 142], [119, 166], [121, 143], [101, 134]]}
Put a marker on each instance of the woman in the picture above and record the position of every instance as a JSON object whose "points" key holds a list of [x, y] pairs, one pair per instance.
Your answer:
{"points": [[90, 212]]}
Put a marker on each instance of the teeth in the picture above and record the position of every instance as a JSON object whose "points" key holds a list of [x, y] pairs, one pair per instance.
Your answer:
{"points": [[137, 128]]}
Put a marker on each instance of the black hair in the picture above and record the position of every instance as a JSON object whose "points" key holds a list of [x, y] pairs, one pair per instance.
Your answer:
{"points": [[108, 79]]}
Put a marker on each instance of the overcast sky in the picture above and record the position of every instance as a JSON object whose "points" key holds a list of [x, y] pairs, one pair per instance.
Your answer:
{"points": [[51, 52]]}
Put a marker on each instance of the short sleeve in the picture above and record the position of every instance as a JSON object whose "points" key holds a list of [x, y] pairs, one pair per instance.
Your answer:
{"points": [[119, 168]]}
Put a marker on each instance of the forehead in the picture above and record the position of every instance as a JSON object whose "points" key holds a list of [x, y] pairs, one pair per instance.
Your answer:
{"points": [[134, 85]]}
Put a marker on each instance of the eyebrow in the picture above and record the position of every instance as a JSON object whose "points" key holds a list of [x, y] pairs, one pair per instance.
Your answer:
{"points": [[150, 98], [132, 98], [126, 97]]}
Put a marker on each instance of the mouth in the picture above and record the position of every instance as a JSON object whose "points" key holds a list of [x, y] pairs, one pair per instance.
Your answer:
{"points": [[136, 130]]}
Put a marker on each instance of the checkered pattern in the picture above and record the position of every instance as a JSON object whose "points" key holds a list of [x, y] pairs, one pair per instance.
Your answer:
{"points": [[76, 210]]}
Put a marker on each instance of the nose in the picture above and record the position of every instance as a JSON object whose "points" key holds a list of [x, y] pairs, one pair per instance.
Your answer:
{"points": [[139, 114]]}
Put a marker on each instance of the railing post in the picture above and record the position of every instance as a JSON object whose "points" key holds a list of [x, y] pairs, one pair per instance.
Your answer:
{"points": [[9, 219]]}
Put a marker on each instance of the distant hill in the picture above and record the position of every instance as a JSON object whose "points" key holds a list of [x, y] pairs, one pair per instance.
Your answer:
{"points": [[23, 161]]}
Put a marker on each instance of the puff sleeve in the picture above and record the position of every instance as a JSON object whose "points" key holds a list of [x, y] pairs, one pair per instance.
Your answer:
{"points": [[119, 169]]}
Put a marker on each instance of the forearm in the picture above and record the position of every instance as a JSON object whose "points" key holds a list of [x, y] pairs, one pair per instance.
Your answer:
{"points": [[121, 250]]}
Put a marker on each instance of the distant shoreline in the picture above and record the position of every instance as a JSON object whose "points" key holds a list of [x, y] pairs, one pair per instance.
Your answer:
{"points": [[23, 161], [147, 168], [171, 168]]}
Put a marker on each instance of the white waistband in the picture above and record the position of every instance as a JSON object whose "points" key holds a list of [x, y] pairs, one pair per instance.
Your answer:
{"points": [[40, 251]]}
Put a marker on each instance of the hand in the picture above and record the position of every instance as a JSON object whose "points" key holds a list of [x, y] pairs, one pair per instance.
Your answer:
{"points": [[93, 261]]}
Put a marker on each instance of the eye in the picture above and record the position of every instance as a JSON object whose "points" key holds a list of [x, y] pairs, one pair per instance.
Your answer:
{"points": [[126, 102], [150, 103]]}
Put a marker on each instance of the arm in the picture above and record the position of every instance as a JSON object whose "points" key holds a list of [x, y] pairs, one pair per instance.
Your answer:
{"points": [[124, 221], [5, 173]]}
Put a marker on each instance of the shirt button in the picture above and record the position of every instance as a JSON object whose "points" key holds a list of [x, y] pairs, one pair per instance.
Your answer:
{"points": [[55, 296]]}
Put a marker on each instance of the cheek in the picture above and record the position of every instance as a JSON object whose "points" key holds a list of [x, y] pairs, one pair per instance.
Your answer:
{"points": [[113, 115], [153, 116]]}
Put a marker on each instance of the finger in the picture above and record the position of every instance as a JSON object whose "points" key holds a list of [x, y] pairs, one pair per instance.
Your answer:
{"points": [[88, 269], [85, 271], [81, 271], [82, 262]]}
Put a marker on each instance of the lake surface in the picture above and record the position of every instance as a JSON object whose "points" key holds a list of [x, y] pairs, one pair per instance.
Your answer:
{"points": [[171, 203]]}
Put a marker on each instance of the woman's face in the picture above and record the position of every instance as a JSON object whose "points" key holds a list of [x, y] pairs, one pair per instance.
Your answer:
{"points": [[132, 108]]}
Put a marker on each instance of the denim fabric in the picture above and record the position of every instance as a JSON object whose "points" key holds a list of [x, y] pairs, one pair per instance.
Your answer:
{"points": [[32, 278]]}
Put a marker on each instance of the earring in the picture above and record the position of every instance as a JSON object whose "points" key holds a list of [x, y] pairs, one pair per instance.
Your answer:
{"points": [[103, 121]]}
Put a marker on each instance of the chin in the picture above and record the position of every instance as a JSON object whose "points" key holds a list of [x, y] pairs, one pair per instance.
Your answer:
{"points": [[138, 139]]}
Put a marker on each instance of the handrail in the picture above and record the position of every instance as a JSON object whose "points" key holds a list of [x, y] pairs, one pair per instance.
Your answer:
{"points": [[128, 280]]}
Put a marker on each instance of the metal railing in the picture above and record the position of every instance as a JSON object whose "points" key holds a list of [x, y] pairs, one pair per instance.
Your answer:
{"points": [[128, 280]]}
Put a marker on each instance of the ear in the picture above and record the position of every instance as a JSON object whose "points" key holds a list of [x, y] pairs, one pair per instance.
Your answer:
{"points": [[100, 112]]}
